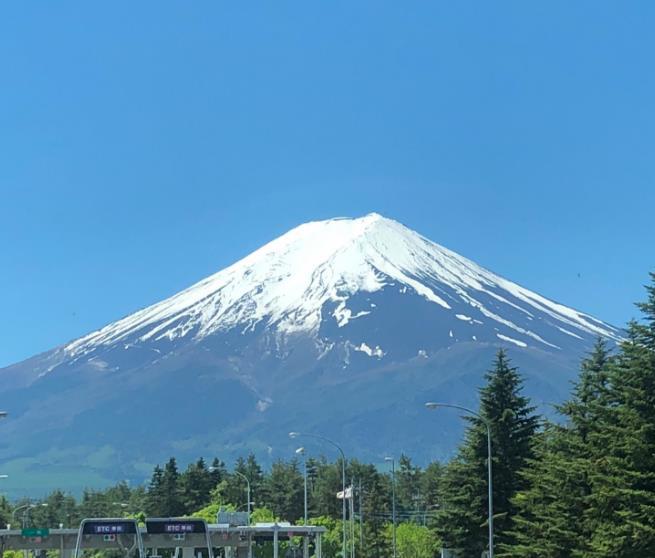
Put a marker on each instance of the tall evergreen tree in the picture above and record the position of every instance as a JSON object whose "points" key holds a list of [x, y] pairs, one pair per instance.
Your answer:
{"points": [[408, 488], [171, 500], [285, 489], [431, 488], [462, 522], [623, 483], [155, 496], [553, 509], [196, 485], [376, 510]]}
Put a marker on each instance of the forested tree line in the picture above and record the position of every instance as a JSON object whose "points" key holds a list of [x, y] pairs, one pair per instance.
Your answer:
{"points": [[579, 487]]}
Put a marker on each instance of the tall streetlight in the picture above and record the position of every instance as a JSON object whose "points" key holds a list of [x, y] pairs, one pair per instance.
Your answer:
{"points": [[393, 500], [27, 508], [343, 479], [490, 520], [244, 477], [301, 451]]}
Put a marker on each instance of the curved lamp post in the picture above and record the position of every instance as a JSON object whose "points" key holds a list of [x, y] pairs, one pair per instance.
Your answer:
{"points": [[343, 478], [244, 477], [27, 508], [490, 520]]}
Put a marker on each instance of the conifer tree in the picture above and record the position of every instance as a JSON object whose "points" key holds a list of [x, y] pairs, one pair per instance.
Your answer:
{"points": [[462, 522], [156, 494], [285, 489], [172, 505], [196, 484], [408, 483], [622, 516], [552, 510]]}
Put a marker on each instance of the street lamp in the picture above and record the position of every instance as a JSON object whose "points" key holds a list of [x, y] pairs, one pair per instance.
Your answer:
{"points": [[247, 489], [393, 500], [27, 508], [301, 451], [248, 508], [431, 406], [343, 478]]}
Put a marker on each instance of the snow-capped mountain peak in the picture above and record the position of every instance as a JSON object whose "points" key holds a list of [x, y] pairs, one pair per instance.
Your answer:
{"points": [[289, 283]]}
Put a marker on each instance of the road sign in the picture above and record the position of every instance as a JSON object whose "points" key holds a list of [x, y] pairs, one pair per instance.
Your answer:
{"points": [[109, 527], [33, 532], [173, 526]]}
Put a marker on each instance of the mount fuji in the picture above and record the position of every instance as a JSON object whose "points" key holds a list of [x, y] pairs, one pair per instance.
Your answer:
{"points": [[342, 327]]}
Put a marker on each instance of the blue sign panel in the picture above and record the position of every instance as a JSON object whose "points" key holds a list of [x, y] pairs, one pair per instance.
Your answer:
{"points": [[174, 526], [109, 527]]}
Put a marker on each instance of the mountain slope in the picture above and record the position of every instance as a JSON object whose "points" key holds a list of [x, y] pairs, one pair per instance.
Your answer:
{"points": [[344, 326]]}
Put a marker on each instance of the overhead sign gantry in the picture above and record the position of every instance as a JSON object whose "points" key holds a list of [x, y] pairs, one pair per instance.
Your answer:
{"points": [[178, 528], [120, 533]]}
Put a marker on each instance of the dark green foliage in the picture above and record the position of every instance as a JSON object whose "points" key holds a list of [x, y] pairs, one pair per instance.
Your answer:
{"points": [[622, 515], [196, 485], [285, 487], [431, 488], [462, 521], [408, 488], [376, 508], [554, 507], [580, 488], [591, 490]]}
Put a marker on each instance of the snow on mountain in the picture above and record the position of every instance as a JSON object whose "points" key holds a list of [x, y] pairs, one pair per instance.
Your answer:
{"points": [[344, 327], [288, 284]]}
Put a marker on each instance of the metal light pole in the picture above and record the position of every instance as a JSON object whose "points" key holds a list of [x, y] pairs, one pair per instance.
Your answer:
{"points": [[27, 508], [244, 477], [248, 508], [301, 451], [490, 521], [343, 479], [393, 500]]}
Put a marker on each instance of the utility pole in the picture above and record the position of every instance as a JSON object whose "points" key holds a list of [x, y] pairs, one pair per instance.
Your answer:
{"points": [[361, 519]]}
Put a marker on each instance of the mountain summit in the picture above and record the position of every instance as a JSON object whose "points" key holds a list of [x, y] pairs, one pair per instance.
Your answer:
{"points": [[288, 284], [341, 326]]}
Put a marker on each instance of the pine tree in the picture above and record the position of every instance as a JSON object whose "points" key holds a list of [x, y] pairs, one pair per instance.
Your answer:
{"points": [[285, 489], [376, 509], [170, 491], [408, 486], [431, 488], [552, 510], [462, 521], [218, 471], [623, 482], [155, 497], [327, 482], [196, 485]]}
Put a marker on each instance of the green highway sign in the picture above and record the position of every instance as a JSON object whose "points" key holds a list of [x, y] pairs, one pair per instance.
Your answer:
{"points": [[35, 532]]}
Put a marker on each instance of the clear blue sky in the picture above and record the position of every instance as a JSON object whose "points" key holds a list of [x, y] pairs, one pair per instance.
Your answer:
{"points": [[145, 145]]}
